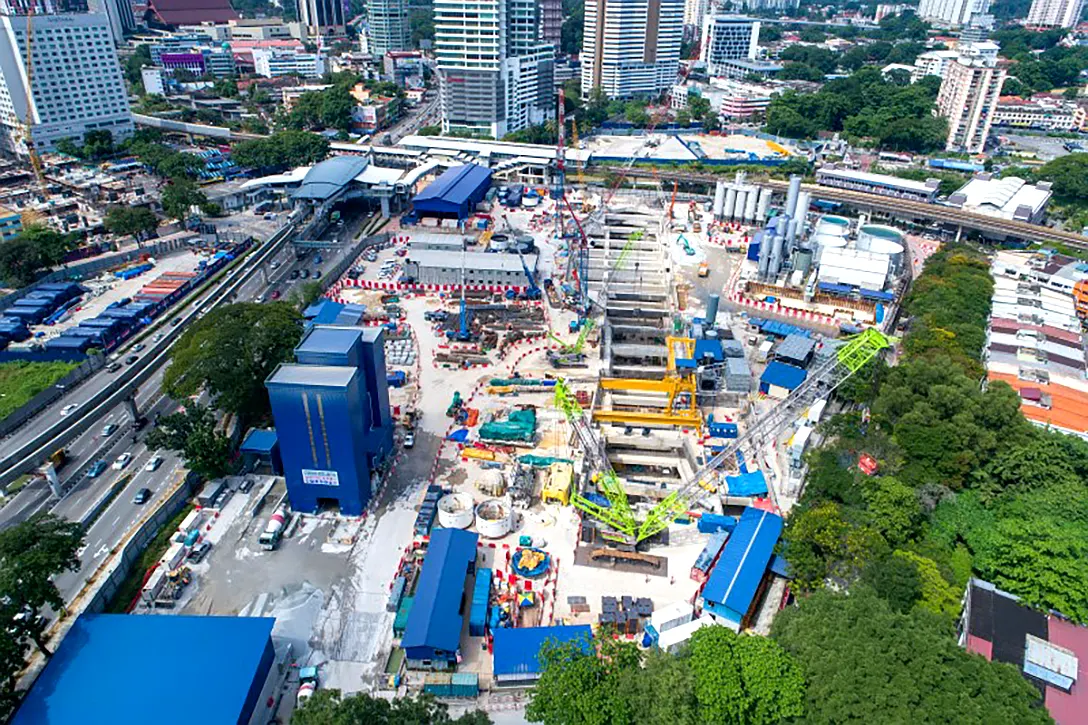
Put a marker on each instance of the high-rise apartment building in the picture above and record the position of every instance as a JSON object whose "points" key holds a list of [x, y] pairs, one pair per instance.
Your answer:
{"points": [[968, 96], [495, 73], [322, 18], [631, 47], [694, 16], [1054, 13], [387, 26], [75, 81], [728, 37], [42, 7], [952, 13], [551, 21], [119, 12]]}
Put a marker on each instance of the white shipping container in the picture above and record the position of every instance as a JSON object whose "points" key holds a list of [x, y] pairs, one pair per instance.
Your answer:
{"points": [[174, 556], [192, 521], [672, 616], [671, 640], [154, 585], [764, 350], [816, 411], [799, 442]]}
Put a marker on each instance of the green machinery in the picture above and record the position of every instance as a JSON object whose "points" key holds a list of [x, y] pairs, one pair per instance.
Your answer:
{"points": [[828, 374]]}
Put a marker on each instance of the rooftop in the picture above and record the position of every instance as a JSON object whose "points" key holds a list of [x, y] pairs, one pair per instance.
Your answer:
{"points": [[1001, 197], [123, 668], [893, 182], [329, 339], [327, 178], [516, 649], [473, 260], [737, 575], [325, 376], [435, 621]]}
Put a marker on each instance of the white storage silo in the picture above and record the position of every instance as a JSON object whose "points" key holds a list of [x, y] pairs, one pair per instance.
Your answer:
{"points": [[730, 203], [750, 203], [742, 199], [763, 205]]}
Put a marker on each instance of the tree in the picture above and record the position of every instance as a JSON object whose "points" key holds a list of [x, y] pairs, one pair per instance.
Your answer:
{"points": [[225, 88], [579, 684], [895, 579], [863, 662], [683, 117], [140, 57], [180, 196], [98, 144], [20, 262], [824, 542], [635, 113], [51, 244], [231, 351], [330, 707], [137, 221], [31, 554], [192, 433], [283, 149], [308, 293], [1069, 175]]}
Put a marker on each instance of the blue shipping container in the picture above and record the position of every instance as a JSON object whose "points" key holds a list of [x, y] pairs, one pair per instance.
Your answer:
{"points": [[481, 598], [711, 523]]}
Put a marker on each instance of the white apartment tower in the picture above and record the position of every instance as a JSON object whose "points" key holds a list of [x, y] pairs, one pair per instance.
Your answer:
{"points": [[495, 73], [968, 96], [695, 15], [952, 13], [75, 81], [1054, 13], [728, 37], [388, 27], [631, 47]]}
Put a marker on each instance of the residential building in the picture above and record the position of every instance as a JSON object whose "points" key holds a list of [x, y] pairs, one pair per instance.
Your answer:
{"points": [[387, 26], [272, 63], [373, 112], [42, 7], [11, 223], [1054, 13], [743, 100], [153, 80], [779, 5], [200, 60], [728, 37], [77, 84], [694, 17], [404, 67], [1008, 198], [122, 19], [932, 63], [631, 47], [952, 13], [322, 18], [567, 69], [741, 68], [262, 29], [1045, 113], [969, 95], [495, 73], [551, 22], [884, 10]]}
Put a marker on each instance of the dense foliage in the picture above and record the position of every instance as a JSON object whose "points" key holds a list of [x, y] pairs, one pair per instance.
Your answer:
{"points": [[865, 106], [37, 248], [1039, 63], [330, 707], [281, 150], [192, 433], [719, 677]]}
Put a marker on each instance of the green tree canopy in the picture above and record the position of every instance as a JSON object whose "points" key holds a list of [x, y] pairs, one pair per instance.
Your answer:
{"points": [[192, 433], [137, 221], [330, 707], [181, 196], [284, 149]]}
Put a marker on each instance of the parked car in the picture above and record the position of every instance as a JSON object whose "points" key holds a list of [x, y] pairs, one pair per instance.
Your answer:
{"points": [[122, 461], [154, 463], [158, 337], [317, 274], [294, 274], [305, 274], [409, 439], [96, 469], [276, 294], [198, 552], [142, 496], [317, 259], [109, 429], [175, 322]]}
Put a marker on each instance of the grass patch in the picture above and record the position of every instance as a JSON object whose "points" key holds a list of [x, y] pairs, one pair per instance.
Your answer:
{"points": [[132, 584], [21, 381]]}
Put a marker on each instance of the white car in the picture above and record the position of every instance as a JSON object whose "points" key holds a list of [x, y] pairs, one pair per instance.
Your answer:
{"points": [[409, 439], [67, 410], [122, 461], [154, 463]]}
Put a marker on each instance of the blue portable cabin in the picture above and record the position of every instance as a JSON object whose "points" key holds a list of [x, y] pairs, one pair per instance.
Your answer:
{"points": [[731, 590], [14, 328], [517, 649], [481, 600], [779, 379], [68, 342]]}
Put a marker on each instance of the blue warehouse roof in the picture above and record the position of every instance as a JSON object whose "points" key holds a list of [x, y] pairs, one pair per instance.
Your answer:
{"points": [[435, 621], [123, 668], [457, 191], [782, 375], [744, 560], [259, 440], [516, 649], [323, 311]]}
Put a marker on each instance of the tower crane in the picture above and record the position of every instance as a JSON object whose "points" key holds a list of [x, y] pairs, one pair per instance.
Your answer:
{"points": [[28, 119], [625, 528]]}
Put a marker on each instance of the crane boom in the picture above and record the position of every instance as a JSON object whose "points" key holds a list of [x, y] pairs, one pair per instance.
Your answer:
{"points": [[28, 119]]}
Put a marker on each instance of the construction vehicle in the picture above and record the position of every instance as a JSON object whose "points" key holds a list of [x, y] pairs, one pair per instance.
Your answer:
{"points": [[618, 518], [307, 683], [59, 458], [273, 532], [532, 292], [704, 269]]}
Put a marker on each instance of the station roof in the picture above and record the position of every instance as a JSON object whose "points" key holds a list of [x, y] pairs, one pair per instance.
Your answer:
{"points": [[259, 440], [435, 621], [473, 260], [456, 191], [882, 180], [327, 178], [743, 561], [320, 376], [123, 668], [782, 375], [516, 649]]}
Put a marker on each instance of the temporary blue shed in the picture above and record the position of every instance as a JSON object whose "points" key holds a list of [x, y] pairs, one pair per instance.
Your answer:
{"points": [[517, 649], [779, 379], [121, 668], [455, 193], [732, 586], [433, 634], [263, 444], [753, 483]]}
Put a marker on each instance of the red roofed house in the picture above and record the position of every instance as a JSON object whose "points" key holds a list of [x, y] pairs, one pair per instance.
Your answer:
{"points": [[172, 13]]}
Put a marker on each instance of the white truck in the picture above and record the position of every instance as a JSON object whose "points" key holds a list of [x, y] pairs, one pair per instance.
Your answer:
{"points": [[273, 532]]}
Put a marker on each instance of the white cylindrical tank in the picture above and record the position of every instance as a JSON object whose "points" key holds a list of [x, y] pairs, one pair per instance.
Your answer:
{"points": [[742, 200], [455, 511], [750, 204], [277, 521], [792, 193], [499, 242], [719, 199], [833, 225], [822, 241], [494, 519], [763, 205], [803, 201], [730, 203]]}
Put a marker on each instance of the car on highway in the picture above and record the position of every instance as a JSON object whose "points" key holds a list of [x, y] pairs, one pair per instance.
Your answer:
{"points": [[294, 274], [67, 410], [131, 359], [138, 347], [154, 463], [113, 367], [158, 337], [275, 264], [122, 461], [96, 469], [305, 274], [142, 496], [175, 322], [317, 274], [317, 259], [198, 552], [109, 429]]}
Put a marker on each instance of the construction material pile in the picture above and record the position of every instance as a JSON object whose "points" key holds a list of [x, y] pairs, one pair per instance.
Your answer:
{"points": [[520, 425]]}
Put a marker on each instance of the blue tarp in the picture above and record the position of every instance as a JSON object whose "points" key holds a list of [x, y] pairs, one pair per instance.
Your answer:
{"points": [[777, 328], [736, 577], [709, 348], [459, 436], [781, 375], [323, 311], [259, 441], [516, 649], [434, 626], [454, 193], [836, 289], [747, 484], [875, 294]]}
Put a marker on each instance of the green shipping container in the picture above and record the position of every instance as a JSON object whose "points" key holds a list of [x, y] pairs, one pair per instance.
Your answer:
{"points": [[438, 684], [464, 684], [400, 622]]}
